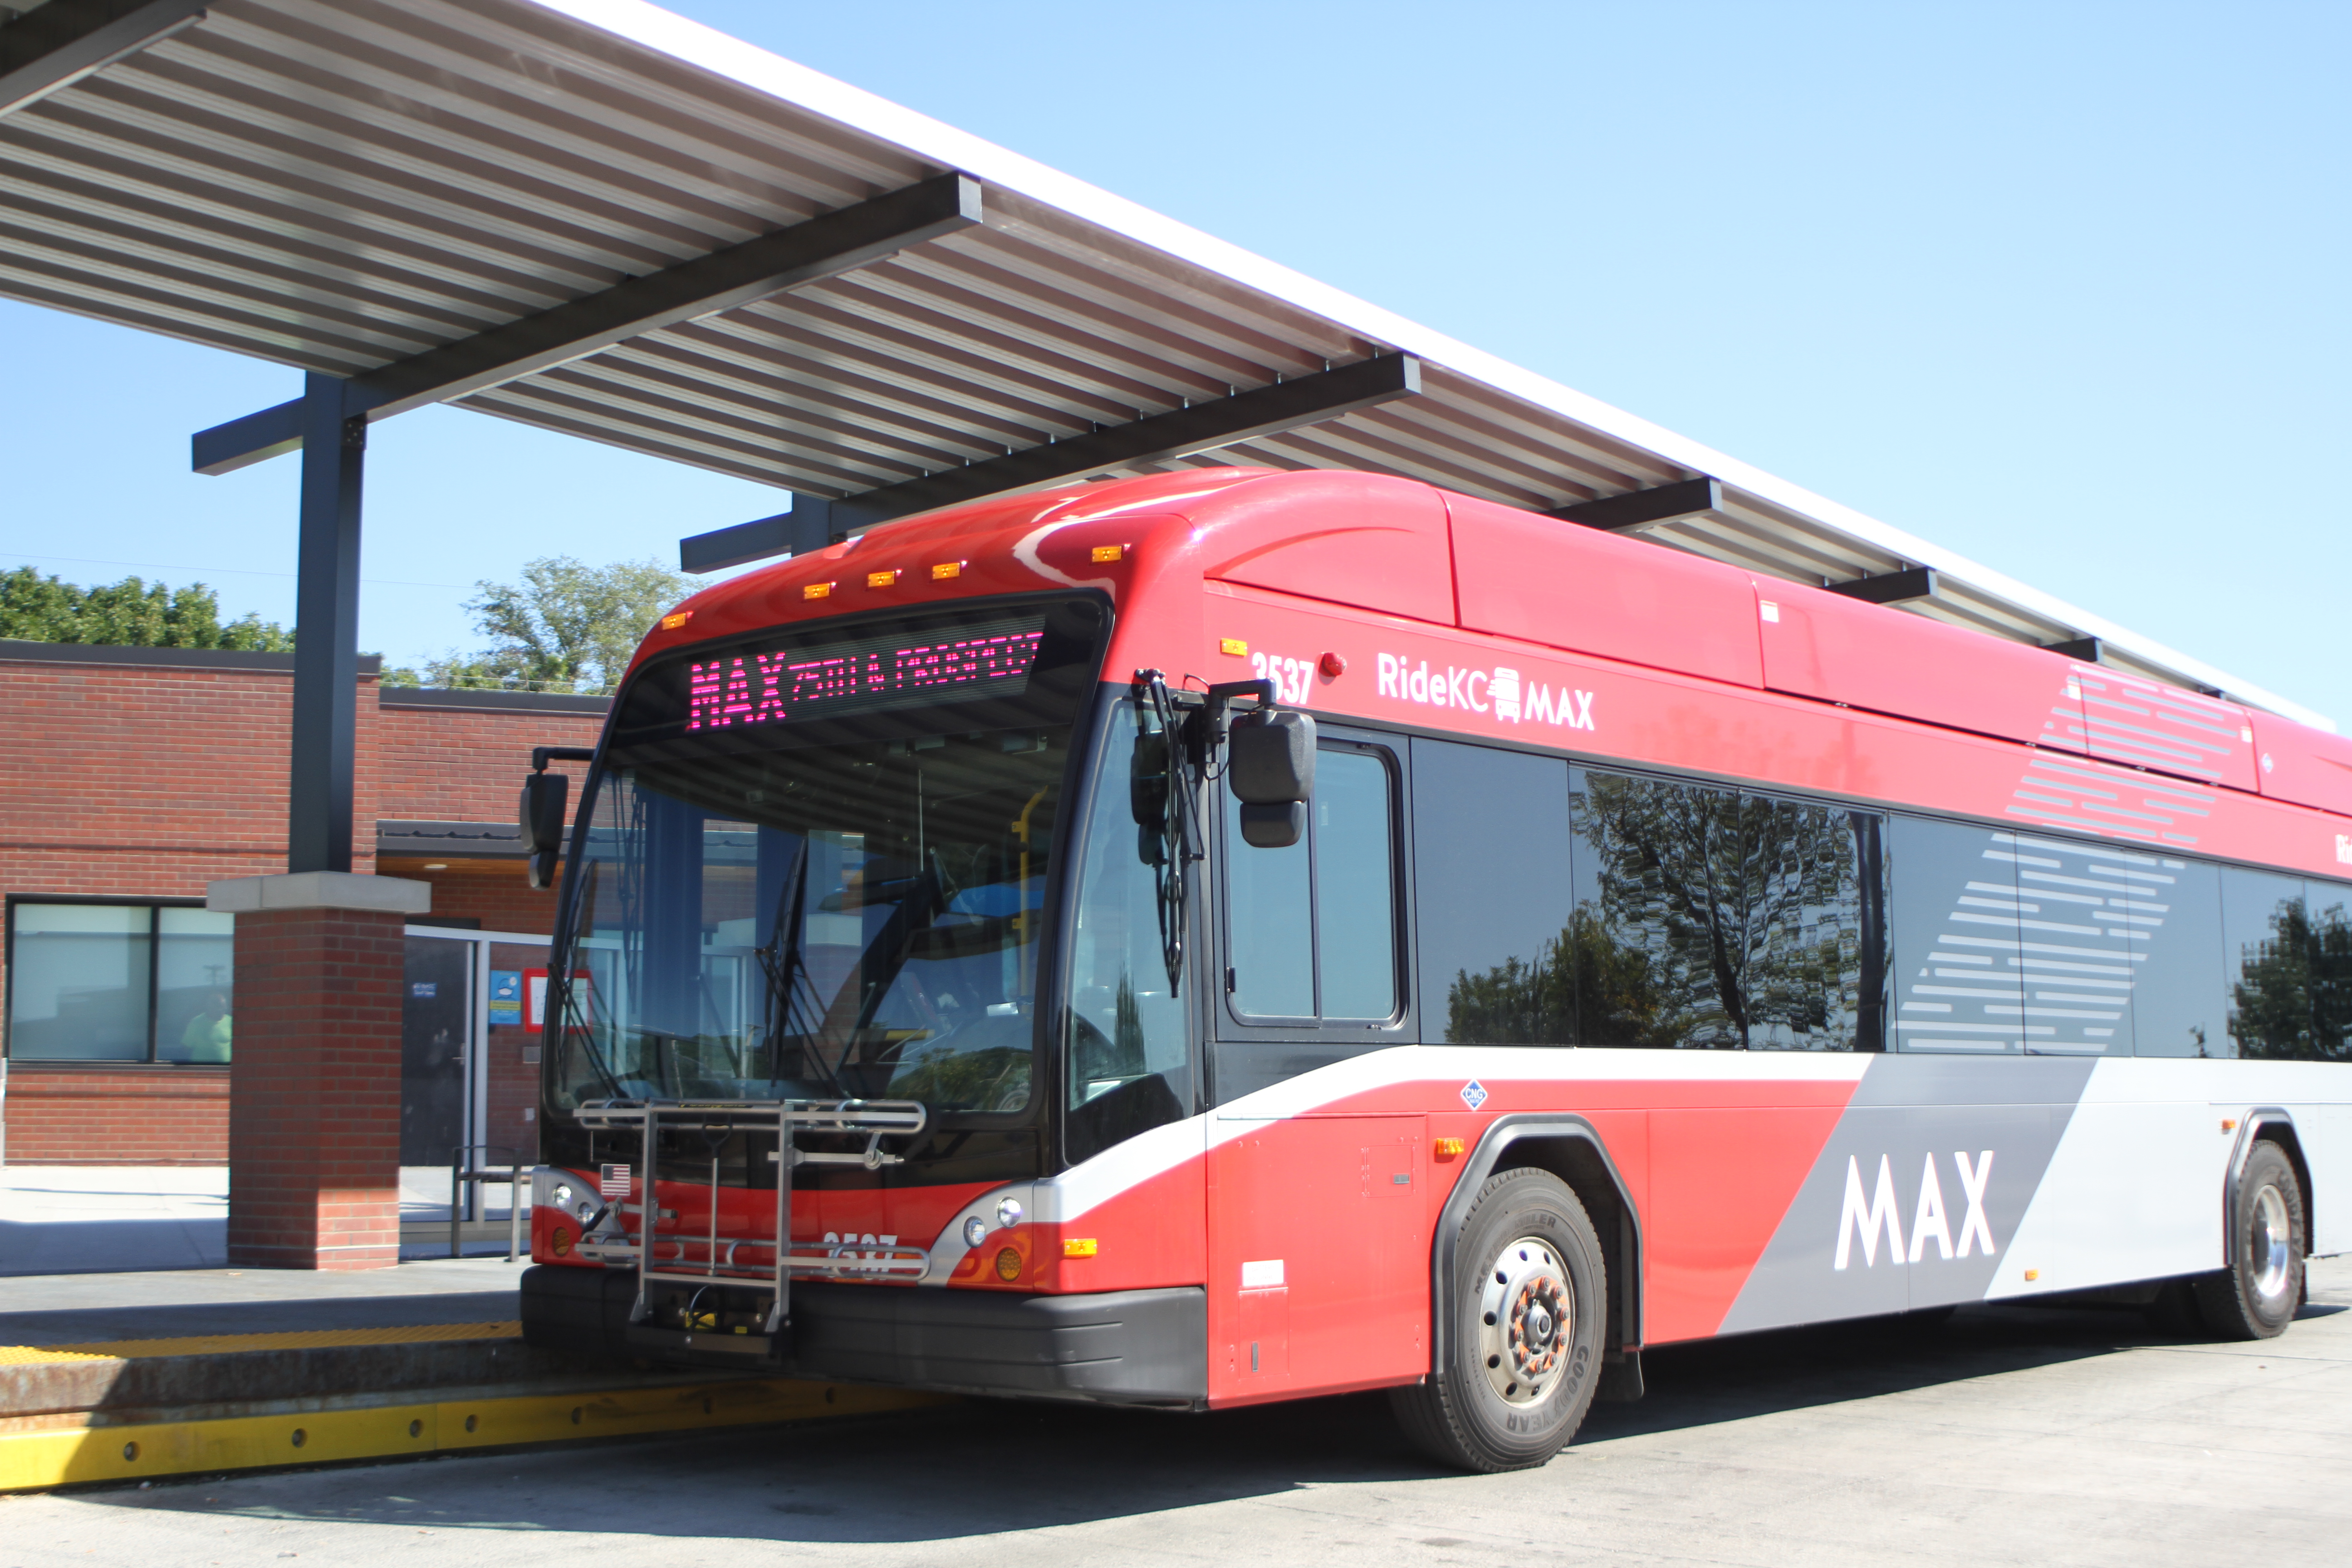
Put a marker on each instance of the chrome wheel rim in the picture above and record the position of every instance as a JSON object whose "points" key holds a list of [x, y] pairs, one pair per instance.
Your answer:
{"points": [[1526, 1319], [2270, 1244]]}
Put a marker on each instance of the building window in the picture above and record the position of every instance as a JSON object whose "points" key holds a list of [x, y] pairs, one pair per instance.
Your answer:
{"points": [[144, 982]]}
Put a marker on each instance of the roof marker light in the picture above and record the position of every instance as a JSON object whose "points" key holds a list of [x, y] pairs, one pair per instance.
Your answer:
{"points": [[674, 619], [943, 569], [816, 591], [882, 579]]}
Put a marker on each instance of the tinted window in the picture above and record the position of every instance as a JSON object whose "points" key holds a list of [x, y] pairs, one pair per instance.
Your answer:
{"points": [[1270, 909], [1490, 851], [2180, 1006], [1355, 886], [1707, 918], [2331, 969], [1959, 985], [2268, 947], [1313, 929]]}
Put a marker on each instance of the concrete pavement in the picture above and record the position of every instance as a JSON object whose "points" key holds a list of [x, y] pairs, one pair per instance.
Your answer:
{"points": [[2005, 1436]]}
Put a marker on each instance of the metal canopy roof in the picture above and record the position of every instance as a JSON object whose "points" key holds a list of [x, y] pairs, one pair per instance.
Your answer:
{"points": [[344, 185]]}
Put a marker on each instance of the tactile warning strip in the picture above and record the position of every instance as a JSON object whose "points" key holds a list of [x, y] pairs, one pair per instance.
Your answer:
{"points": [[33, 1461], [230, 1344]]}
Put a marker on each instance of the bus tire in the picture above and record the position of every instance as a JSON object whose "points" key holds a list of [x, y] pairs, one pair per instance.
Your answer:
{"points": [[1527, 1302], [2256, 1296]]}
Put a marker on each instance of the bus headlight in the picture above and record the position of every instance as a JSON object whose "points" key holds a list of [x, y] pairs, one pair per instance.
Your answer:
{"points": [[975, 1231], [1008, 1211]]}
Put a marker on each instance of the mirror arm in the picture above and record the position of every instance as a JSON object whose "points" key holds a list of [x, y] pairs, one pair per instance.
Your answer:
{"points": [[542, 755]]}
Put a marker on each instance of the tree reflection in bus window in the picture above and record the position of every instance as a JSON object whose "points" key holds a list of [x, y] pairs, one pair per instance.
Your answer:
{"points": [[1710, 918], [2289, 947]]}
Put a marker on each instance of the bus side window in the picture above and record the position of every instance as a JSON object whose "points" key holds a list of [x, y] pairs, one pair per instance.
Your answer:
{"points": [[2288, 946], [1711, 919], [1491, 888], [2180, 999]]}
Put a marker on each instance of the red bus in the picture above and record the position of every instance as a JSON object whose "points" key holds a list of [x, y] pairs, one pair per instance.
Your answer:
{"points": [[1231, 935]]}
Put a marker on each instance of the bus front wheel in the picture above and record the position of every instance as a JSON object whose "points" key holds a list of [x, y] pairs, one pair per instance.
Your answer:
{"points": [[1525, 1310], [2256, 1296]]}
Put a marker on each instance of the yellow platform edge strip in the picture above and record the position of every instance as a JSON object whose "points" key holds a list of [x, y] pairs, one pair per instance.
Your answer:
{"points": [[31, 1461], [230, 1344]]}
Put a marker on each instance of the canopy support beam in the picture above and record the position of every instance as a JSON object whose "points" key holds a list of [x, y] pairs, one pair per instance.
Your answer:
{"points": [[326, 632], [65, 40], [1890, 587], [1639, 509], [825, 247]]}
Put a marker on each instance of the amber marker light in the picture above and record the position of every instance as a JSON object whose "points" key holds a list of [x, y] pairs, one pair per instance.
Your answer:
{"points": [[943, 569], [816, 591], [882, 579], [1449, 1148], [559, 1241], [2229, 1125], [1008, 1264], [1078, 1248], [675, 619], [2034, 1274], [1233, 645], [1106, 553]]}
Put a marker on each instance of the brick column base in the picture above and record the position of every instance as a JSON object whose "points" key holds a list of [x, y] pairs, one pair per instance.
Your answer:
{"points": [[314, 1078]]}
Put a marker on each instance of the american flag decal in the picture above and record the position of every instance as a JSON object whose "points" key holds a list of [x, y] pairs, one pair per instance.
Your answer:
{"points": [[612, 1181]]}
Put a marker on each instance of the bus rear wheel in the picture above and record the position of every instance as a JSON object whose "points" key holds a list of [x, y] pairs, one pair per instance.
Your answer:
{"points": [[1526, 1308], [2256, 1296]]}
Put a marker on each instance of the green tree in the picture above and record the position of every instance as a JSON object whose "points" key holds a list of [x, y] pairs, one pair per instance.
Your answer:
{"points": [[129, 613], [566, 626]]}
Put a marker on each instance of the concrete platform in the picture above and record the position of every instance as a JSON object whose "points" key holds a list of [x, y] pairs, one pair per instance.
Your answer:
{"points": [[117, 1376]]}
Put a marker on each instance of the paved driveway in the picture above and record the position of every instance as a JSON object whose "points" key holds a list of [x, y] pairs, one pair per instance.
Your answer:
{"points": [[2001, 1436]]}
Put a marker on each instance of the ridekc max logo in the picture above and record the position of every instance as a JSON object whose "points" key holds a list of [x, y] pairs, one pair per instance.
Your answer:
{"points": [[1497, 691], [1877, 1212]]}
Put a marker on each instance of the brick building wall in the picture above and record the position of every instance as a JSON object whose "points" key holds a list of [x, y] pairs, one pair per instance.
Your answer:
{"points": [[146, 772]]}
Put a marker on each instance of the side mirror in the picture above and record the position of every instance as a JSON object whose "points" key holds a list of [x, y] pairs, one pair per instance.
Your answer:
{"points": [[540, 814], [1270, 766]]}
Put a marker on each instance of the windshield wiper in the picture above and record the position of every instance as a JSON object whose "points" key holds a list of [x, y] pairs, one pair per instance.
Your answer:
{"points": [[792, 1002]]}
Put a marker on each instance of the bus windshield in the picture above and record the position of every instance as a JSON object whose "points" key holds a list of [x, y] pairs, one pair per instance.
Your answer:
{"points": [[848, 906]]}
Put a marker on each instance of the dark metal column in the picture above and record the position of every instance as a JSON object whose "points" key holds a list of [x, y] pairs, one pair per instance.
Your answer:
{"points": [[326, 628]]}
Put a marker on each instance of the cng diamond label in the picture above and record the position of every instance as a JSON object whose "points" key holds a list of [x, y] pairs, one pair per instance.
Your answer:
{"points": [[1474, 1094]]}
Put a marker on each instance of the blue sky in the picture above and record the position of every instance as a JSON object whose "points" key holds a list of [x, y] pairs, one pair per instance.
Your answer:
{"points": [[2060, 287]]}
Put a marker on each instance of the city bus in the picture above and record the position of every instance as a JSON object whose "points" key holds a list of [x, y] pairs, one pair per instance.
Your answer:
{"points": [[1234, 935]]}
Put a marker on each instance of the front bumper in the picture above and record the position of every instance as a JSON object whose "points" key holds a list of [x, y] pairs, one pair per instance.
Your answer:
{"points": [[1120, 1347]]}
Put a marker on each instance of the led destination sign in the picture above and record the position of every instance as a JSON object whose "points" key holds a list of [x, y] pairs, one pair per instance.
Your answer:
{"points": [[863, 675]]}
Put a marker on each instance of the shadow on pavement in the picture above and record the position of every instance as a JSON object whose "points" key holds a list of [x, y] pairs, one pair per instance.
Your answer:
{"points": [[986, 1468], [111, 1246]]}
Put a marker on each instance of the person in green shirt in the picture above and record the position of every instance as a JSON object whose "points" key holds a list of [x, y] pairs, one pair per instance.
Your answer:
{"points": [[205, 1039]]}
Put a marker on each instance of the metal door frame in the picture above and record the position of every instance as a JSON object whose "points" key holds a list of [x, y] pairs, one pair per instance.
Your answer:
{"points": [[475, 1119]]}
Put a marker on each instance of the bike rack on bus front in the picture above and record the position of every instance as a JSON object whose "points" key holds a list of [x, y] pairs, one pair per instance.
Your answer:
{"points": [[872, 1120]]}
